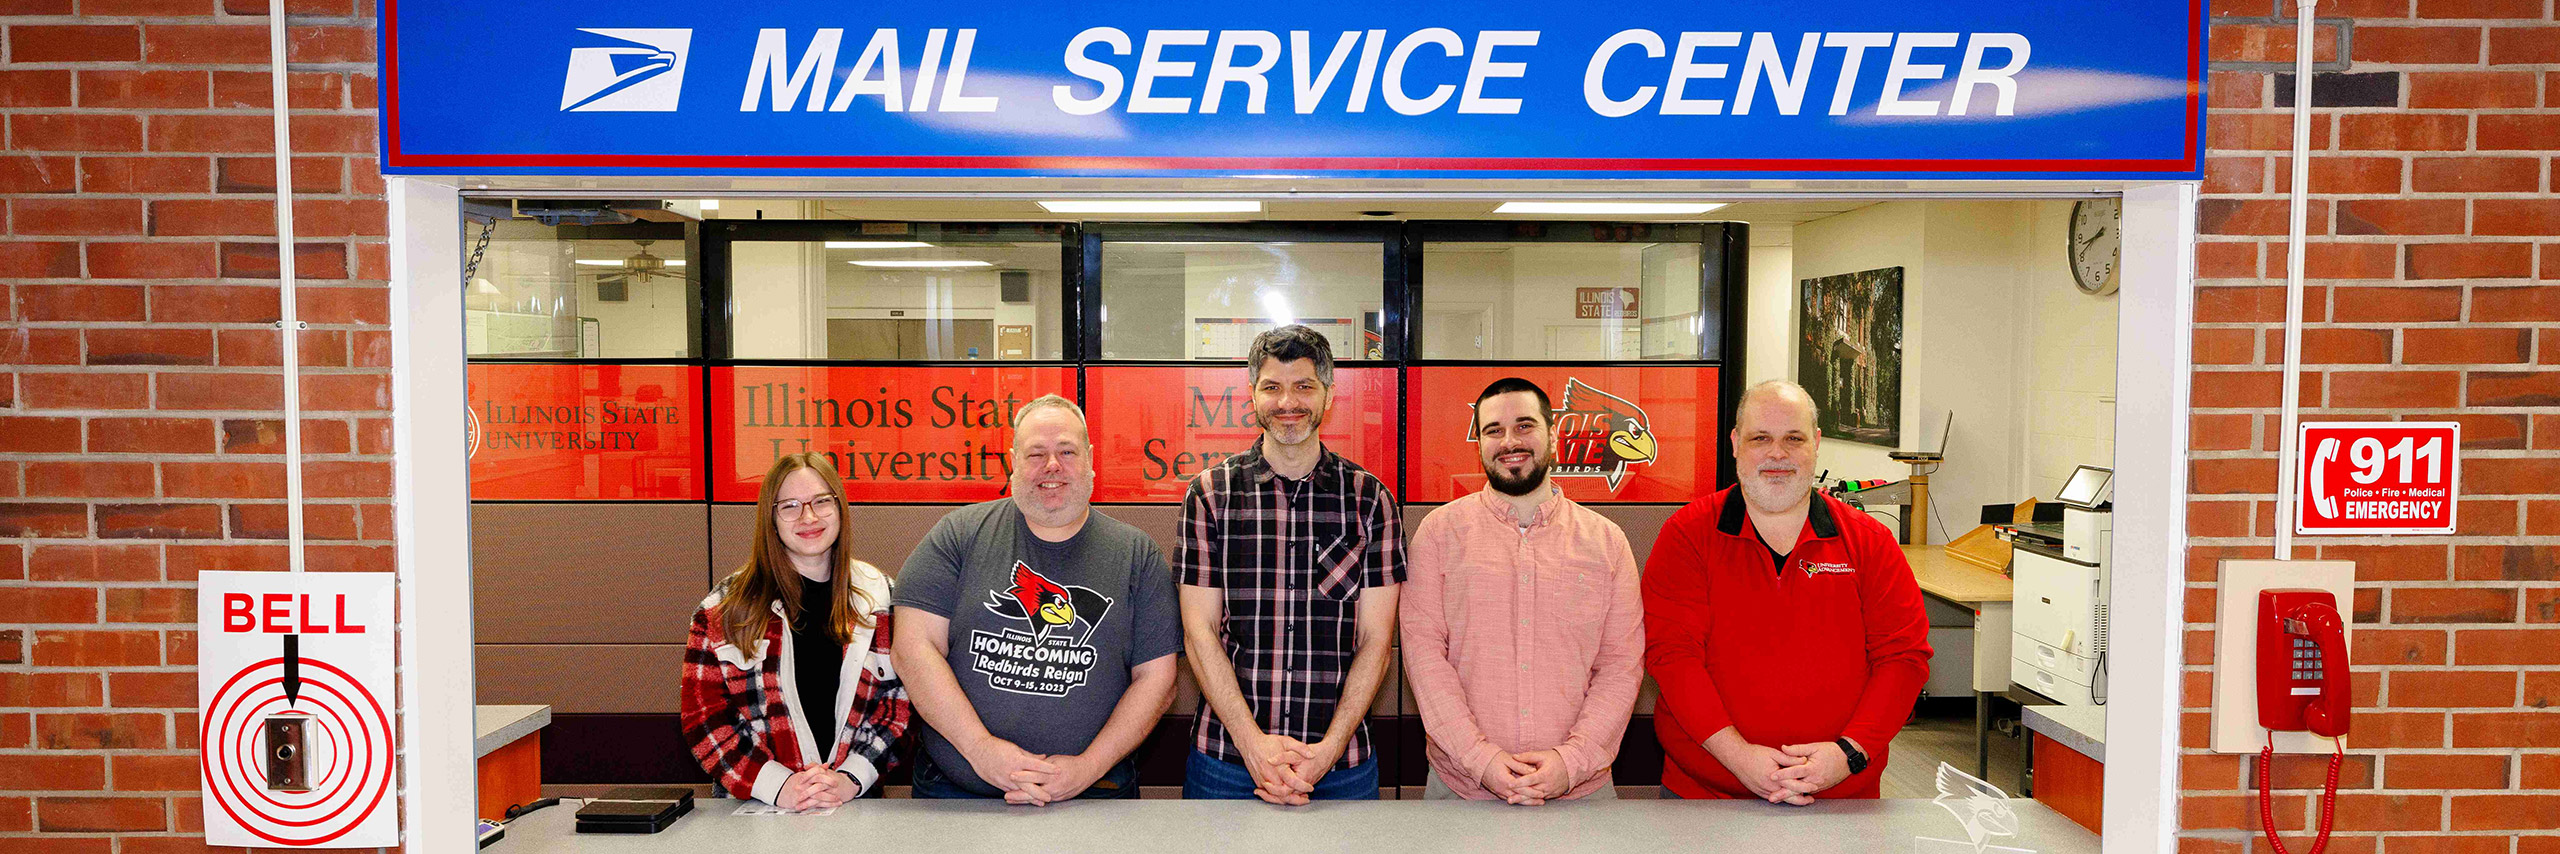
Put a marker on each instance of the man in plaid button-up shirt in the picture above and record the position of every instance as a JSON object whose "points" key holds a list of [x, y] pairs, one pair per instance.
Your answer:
{"points": [[1289, 558]]}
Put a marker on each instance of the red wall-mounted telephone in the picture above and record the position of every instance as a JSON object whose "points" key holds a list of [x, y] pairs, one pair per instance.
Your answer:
{"points": [[2302, 685], [2302, 662]]}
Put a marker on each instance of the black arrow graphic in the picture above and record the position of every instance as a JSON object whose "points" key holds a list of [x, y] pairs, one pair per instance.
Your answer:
{"points": [[292, 669]]}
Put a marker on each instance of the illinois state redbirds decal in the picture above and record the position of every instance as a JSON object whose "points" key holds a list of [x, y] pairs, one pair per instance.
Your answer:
{"points": [[1051, 652], [1598, 434]]}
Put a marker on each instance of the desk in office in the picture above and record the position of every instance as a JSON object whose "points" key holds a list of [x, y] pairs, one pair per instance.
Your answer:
{"points": [[1144, 826], [1987, 594]]}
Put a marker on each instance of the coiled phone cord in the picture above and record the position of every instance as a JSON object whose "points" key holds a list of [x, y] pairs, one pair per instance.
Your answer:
{"points": [[2328, 795]]}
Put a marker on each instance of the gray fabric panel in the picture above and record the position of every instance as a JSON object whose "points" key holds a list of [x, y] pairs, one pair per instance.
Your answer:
{"points": [[729, 525], [1161, 521], [585, 573], [582, 678], [1642, 522]]}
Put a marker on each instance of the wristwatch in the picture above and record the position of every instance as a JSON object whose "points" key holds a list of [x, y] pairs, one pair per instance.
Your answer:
{"points": [[1857, 758]]}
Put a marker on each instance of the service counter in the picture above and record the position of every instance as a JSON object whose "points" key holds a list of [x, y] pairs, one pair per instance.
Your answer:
{"points": [[1144, 826], [507, 744], [2069, 746]]}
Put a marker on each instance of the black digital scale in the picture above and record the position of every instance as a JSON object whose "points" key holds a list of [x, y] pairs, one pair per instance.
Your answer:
{"points": [[637, 809]]}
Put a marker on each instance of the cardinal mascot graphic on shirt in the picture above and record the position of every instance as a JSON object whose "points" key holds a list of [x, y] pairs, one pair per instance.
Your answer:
{"points": [[1051, 652], [1598, 434]]}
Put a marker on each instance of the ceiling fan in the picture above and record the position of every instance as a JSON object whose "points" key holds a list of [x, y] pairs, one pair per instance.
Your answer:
{"points": [[613, 284]]}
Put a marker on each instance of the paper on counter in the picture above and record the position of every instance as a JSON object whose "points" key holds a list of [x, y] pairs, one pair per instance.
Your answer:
{"points": [[762, 808]]}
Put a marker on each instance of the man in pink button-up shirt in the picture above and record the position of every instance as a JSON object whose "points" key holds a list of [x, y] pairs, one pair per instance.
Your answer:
{"points": [[1522, 620]]}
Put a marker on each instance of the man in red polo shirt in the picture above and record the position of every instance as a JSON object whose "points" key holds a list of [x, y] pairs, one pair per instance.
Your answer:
{"points": [[1783, 626]]}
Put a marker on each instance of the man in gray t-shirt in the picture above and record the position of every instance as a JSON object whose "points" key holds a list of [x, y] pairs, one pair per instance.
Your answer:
{"points": [[1036, 637]]}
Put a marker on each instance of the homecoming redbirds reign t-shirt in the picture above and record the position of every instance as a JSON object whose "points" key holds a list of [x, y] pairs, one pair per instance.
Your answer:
{"points": [[1042, 634]]}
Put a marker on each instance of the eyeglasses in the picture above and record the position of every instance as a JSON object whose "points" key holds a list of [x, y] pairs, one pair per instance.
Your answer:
{"points": [[821, 507]]}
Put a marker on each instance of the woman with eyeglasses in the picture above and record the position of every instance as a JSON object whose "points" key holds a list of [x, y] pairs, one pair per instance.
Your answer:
{"points": [[805, 713]]}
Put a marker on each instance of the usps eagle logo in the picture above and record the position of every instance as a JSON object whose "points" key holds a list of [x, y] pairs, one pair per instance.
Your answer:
{"points": [[1049, 608], [1598, 434], [638, 71]]}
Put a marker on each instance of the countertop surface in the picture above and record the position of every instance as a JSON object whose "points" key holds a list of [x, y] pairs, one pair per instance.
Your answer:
{"points": [[1141, 826], [499, 726], [2081, 728], [1954, 580]]}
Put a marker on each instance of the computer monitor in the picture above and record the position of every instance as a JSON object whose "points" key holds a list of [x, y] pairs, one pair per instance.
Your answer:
{"points": [[2087, 488]]}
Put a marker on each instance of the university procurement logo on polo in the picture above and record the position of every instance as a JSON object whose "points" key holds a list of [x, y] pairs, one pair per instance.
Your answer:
{"points": [[644, 73]]}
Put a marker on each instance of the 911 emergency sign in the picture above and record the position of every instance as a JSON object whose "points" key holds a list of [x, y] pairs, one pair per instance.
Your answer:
{"points": [[2378, 477]]}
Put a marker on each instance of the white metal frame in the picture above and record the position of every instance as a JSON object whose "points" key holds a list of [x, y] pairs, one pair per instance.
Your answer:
{"points": [[2154, 315], [2155, 309], [432, 518]]}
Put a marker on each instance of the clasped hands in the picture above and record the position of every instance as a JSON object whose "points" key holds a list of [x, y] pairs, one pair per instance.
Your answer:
{"points": [[1788, 774], [816, 787], [1285, 770], [1526, 779], [1029, 778]]}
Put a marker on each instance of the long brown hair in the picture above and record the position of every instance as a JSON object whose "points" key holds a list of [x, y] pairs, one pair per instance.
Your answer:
{"points": [[769, 577]]}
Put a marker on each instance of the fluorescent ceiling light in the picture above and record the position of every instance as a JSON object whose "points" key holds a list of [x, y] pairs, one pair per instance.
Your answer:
{"points": [[1278, 305], [1608, 208], [591, 262], [876, 244], [923, 264], [1160, 206]]}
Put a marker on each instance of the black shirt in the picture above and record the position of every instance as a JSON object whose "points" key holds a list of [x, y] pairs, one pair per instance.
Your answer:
{"points": [[818, 659]]}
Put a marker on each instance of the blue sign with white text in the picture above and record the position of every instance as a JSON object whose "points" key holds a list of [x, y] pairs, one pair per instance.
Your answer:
{"points": [[1319, 88]]}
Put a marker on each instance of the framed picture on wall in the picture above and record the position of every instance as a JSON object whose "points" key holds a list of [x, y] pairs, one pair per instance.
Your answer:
{"points": [[1849, 353]]}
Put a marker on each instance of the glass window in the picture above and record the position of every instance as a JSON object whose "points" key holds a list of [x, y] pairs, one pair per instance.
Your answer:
{"points": [[1559, 301], [573, 291], [1207, 300], [910, 298]]}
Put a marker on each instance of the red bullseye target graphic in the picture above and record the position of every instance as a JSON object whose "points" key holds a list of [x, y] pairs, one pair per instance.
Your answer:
{"points": [[252, 745], [346, 748]]}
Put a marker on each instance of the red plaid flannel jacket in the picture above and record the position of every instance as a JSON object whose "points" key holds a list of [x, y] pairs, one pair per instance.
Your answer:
{"points": [[743, 714]]}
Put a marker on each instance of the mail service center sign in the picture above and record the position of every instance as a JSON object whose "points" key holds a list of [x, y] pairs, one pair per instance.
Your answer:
{"points": [[1848, 88]]}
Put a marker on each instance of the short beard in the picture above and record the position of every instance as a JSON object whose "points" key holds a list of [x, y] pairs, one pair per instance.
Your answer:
{"points": [[1047, 518], [1314, 425], [1519, 486], [1775, 498]]}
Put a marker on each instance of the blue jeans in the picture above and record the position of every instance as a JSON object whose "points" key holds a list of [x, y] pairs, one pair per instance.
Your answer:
{"points": [[1207, 777], [930, 782]]}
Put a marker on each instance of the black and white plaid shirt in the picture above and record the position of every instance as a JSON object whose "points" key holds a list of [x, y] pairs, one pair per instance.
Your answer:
{"points": [[1292, 557]]}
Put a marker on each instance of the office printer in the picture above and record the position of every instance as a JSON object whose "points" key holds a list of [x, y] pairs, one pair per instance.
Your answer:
{"points": [[2058, 646]]}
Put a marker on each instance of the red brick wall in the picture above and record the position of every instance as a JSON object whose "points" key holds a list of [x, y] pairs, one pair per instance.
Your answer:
{"points": [[140, 398], [2429, 297]]}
